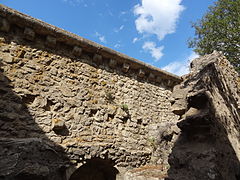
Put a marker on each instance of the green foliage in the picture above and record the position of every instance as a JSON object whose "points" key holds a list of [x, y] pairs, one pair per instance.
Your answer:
{"points": [[219, 30], [124, 107]]}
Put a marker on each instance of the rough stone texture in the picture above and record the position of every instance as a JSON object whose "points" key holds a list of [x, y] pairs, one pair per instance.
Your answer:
{"points": [[208, 146], [58, 111], [73, 109], [11, 19]]}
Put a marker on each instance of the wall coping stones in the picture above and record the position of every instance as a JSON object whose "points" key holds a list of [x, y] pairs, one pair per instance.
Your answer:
{"points": [[54, 35]]}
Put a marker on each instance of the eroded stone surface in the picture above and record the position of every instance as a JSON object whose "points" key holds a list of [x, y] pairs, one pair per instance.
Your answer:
{"points": [[77, 111], [208, 146]]}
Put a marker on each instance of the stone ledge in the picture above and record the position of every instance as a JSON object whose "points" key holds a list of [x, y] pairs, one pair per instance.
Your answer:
{"points": [[54, 35]]}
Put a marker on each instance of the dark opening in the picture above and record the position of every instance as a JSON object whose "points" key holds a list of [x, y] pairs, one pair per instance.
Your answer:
{"points": [[96, 169], [198, 101]]}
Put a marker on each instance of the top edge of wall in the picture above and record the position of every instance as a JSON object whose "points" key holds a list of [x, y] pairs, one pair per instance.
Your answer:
{"points": [[54, 34]]}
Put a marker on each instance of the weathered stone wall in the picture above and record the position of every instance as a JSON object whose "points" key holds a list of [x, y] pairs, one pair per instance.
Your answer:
{"points": [[67, 102], [64, 103], [207, 101]]}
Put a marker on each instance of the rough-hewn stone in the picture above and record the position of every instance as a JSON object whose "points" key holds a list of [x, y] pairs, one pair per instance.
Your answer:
{"points": [[62, 106], [208, 146], [67, 104]]}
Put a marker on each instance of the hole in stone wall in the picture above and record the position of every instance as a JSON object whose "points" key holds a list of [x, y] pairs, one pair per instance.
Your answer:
{"points": [[28, 98], [198, 101], [63, 131], [139, 121], [110, 116], [96, 169], [124, 119], [93, 112], [48, 105]]}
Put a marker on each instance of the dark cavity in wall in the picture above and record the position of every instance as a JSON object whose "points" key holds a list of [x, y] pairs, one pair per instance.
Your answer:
{"points": [[96, 169]]}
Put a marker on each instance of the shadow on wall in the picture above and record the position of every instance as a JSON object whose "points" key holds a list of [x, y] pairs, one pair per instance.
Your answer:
{"points": [[25, 151], [202, 151]]}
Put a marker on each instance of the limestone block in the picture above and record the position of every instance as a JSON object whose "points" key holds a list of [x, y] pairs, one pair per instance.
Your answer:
{"points": [[4, 25], [7, 58], [192, 112], [125, 67], [77, 51], [179, 101], [141, 73], [29, 34], [51, 41], [39, 102]]}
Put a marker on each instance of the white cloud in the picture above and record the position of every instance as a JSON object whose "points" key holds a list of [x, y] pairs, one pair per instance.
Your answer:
{"points": [[180, 67], [122, 13], [192, 56], [100, 37], [119, 29], [135, 40], [156, 52], [157, 17], [117, 45]]}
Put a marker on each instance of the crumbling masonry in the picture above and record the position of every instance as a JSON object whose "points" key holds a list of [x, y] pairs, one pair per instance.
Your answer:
{"points": [[73, 109]]}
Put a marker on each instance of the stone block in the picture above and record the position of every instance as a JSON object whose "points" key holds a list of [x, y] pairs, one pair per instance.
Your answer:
{"points": [[169, 82], [159, 79], [51, 41], [151, 76], [141, 73], [29, 34], [58, 124], [77, 51], [112, 63], [125, 67], [4, 25], [97, 58], [7, 58]]}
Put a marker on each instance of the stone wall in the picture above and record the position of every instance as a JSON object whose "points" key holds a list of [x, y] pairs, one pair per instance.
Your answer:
{"points": [[207, 101], [66, 100]]}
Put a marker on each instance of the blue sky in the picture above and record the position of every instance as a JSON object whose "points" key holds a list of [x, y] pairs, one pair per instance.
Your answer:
{"points": [[153, 31]]}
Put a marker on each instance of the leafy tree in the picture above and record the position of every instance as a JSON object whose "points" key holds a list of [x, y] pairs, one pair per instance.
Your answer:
{"points": [[219, 29]]}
